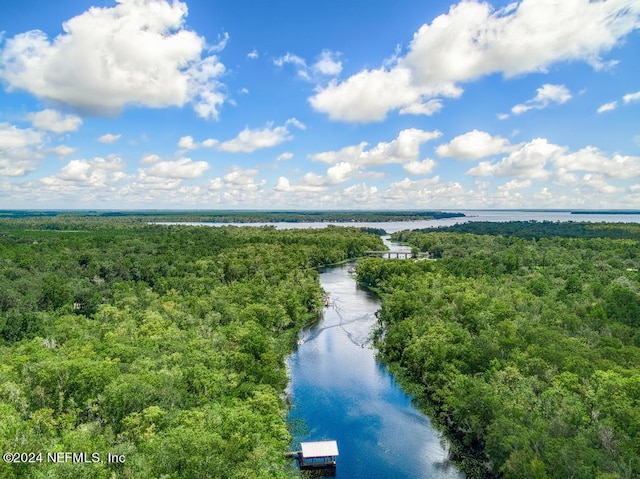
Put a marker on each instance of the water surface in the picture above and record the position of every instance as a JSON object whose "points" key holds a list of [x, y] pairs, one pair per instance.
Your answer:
{"points": [[339, 391]]}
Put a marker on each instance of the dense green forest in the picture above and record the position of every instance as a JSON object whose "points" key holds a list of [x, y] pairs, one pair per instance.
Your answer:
{"points": [[161, 344], [240, 216], [525, 348], [542, 229]]}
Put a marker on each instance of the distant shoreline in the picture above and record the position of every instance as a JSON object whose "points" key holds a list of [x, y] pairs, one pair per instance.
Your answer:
{"points": [[287, 216], [242, 216], [606, 212]]}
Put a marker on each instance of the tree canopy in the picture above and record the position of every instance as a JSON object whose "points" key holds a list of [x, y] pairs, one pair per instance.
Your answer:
{"points": [[525, 347], [162, 344]]}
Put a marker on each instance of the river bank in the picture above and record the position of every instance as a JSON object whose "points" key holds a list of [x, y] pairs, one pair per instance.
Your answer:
{"points": [[526, 352]]}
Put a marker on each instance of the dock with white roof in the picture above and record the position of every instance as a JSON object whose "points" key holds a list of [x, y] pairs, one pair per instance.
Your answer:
{"points": [[316, 455]]}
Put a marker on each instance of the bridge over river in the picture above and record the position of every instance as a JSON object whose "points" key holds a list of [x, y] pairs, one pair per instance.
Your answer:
{"points": [[397, 254]]}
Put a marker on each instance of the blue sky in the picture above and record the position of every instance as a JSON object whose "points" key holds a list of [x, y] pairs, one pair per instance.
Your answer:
{"points": [[211, 104]]}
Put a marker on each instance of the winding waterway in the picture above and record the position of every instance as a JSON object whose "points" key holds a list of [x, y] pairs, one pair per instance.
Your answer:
{"points": [[339, 391]]}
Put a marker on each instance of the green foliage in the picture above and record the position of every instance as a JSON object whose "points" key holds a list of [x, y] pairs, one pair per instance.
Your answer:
{"points": [[526, 350], [165, 344], [546, 229]]}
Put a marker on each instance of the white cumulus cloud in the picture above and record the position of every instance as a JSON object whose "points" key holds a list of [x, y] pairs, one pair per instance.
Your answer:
{"points": [[425, 192], [184, 168], [423, 167], [338, 173], [353, 161], [608, 107], [628, 98], [427, 108], [149, 159], [367, 96], [209, 143], [328, 64], [406, 147], [360, 193], [238, 183], [528, 161], [284, 186], [109, 138], [134, 53], [284, 156], [95, 173], [546, 95], [13, 137], [593, 160], [473, 145], [249, 140], [599, 183], [473, 40], [187, 143], [515, 185], [348, 153], [53, 120], [20, 148], [300, 64], [63, 150]]}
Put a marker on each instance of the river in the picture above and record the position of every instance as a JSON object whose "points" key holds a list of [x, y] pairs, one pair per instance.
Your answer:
{"points": [[339, 391]]}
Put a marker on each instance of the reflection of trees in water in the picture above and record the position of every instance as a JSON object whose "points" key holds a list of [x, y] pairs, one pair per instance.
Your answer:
{"points": [[319, 473], [298, 428]]}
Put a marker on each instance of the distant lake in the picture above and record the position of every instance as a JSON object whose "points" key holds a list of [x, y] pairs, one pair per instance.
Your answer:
{"points": [[470, 215]]}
